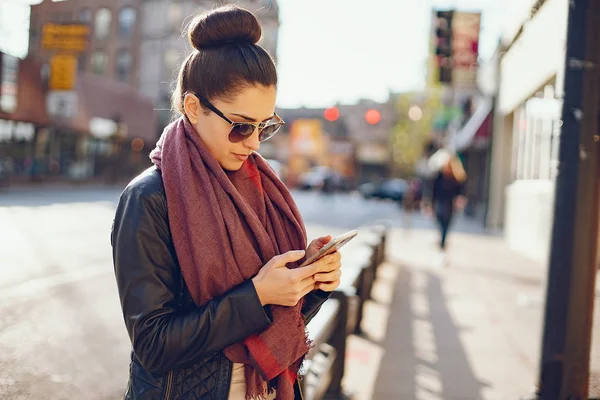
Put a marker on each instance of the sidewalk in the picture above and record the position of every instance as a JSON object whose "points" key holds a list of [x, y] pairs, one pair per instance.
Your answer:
{"points": [[471, 330]]}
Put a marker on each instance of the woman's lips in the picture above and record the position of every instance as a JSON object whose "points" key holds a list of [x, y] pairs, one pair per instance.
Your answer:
{"points": [[241, 157]]}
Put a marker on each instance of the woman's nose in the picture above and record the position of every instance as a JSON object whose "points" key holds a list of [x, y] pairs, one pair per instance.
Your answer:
{"points": [[253, 143]]}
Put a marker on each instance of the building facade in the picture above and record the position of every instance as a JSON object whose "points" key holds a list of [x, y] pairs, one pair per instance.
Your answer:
{"points": [[354, 140], [163, 46], [115, 35], [526, 125], [140, 43]]}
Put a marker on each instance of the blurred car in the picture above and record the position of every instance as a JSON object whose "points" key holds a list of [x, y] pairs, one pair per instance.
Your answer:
{"points": [[323, 178], [390, 189]]}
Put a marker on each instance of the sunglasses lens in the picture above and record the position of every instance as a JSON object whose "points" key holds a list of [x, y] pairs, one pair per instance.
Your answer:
{"points": [[269, 131], [240, 131]]}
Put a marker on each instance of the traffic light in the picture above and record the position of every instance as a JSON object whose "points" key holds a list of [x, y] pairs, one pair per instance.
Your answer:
{"points": [[443, 45], [372, 117], [332, 114]]}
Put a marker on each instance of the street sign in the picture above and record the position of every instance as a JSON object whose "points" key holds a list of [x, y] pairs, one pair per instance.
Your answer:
{"points": [[63, 71], [62, 104], [65, 37], [465, 49]]}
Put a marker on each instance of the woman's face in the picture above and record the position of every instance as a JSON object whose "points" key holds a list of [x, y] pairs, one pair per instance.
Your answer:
{"points": [[253, 104]]}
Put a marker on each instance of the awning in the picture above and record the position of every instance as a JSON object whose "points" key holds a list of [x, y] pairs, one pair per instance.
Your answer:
{"points": [[477, 130]]}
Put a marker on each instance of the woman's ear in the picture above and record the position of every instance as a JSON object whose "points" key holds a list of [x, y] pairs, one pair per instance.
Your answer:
{"points": [[192, 108]]}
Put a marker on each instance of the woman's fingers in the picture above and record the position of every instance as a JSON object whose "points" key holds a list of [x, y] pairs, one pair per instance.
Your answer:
{"points": [[329, 276], [329, 286]]}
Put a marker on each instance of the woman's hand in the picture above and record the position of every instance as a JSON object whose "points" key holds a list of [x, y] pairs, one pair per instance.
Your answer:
{"points": [[276, 284], [316, 245], [329, 279]]}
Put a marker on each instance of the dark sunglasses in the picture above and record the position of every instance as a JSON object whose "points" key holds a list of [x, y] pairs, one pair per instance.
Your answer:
{"points": [[240, 131]]}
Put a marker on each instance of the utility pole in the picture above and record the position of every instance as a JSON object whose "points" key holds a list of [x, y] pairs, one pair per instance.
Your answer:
{"points": [[566, 342]]}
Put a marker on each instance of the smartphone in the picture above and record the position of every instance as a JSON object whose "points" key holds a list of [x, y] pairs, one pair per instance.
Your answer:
{"points": [[331, 247]]}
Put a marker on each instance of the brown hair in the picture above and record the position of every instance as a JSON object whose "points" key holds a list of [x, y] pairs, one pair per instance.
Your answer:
{"points": [[226, 59]]}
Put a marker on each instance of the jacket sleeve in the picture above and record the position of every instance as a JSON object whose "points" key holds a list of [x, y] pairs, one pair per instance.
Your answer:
{"points": [[149, 279], [312, 304]]}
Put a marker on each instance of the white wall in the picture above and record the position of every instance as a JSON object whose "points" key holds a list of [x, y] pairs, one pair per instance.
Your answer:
{"points": [[529, 217], [536, 57], [533, 60]]}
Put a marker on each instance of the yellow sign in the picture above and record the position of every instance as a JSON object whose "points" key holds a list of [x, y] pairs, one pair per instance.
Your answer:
{"points": [[306, 137], [65, 37], [63, 70]]}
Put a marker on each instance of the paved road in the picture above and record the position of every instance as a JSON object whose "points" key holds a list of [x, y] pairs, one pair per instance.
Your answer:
{"points": [[61, 331]]}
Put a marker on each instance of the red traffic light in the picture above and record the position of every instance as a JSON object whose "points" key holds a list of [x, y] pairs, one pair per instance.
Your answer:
{"points": [[372, 117], [332, 114]]}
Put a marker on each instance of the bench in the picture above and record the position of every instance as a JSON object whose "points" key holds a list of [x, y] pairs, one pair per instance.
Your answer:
{"points": [[341, 315], [323, 358]]}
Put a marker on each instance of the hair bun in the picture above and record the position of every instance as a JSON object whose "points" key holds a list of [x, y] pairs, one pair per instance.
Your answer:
{"points": [[223, 25]]}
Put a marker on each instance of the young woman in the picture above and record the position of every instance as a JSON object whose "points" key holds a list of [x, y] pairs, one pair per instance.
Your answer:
{"points": [[445, 194], [207, 244]]}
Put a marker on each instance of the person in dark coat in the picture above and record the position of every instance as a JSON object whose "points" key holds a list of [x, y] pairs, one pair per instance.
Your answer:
{"points": [[445, 196]]}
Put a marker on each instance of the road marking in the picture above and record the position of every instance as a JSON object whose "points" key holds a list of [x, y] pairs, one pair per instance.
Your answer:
{"points": [[35, 286]]}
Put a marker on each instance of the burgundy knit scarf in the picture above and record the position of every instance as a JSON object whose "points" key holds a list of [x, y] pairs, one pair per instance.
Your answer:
{"points": [[225, 227]]}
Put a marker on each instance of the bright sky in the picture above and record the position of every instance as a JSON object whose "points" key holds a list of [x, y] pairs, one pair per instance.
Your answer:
{"points": [[333, 50]]}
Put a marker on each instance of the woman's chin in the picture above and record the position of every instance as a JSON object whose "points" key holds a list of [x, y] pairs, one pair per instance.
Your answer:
{"points": [[232, 165]]}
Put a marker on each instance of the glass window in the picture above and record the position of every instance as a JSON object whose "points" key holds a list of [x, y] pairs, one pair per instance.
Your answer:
{"points": [[85, 15], [102, 23], [99, 61], [124, 63], [126, 22]]}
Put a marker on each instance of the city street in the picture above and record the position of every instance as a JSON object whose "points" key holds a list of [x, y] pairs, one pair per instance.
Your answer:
{"points": [[469, 331], [61, 332]]}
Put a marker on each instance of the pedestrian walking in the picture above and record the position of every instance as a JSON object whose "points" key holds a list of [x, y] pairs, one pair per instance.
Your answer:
{"points": [[445, 194], [207, 243]]}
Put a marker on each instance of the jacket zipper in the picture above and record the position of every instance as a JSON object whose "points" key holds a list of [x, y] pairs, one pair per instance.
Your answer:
{"points": [[300, 389], [169, 385]]}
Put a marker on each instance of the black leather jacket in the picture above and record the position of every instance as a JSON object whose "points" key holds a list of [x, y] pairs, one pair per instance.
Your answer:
{"points": [[176, 346]]}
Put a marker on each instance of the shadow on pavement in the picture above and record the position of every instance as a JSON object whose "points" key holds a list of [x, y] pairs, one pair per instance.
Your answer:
{"points": [[424, 357]]}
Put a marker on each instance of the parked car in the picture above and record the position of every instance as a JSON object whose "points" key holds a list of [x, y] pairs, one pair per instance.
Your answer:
{"points": [[392, 189], [323, 178]]}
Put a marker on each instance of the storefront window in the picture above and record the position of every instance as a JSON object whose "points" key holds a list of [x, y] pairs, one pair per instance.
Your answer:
{"points": [[535, 140]]}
